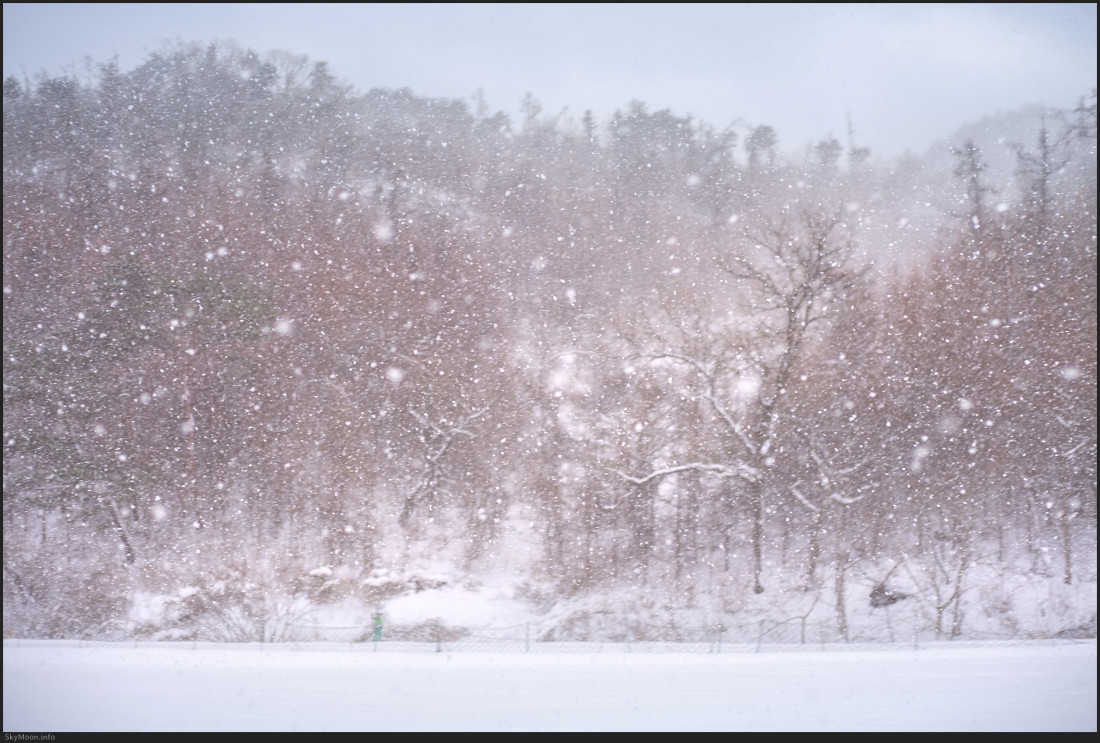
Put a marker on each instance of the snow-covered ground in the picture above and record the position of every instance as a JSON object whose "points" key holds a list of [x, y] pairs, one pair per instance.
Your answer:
{"points": [[70, 686]]}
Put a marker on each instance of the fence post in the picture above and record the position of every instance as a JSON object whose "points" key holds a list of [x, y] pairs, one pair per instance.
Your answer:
{"points": [[376, 635], [719, 630], [916, 627]]}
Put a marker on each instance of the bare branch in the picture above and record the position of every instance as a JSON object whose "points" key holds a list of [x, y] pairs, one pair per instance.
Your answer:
{"points": [[711, 396], [846, 501], [743, 471], [804, 500]]}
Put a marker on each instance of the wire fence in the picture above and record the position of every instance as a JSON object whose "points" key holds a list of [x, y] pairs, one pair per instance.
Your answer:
{"points": [[523, 639], [514, 647], [910, 630]]}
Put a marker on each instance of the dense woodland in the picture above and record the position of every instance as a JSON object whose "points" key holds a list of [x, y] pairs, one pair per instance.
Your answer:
{"points": [[257, 323]]}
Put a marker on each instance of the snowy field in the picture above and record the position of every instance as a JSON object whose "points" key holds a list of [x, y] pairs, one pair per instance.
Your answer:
{"points": [[64, 686]]}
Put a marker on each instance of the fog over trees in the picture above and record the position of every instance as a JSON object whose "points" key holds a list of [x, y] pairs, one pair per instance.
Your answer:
{"points": [[258, 324]]}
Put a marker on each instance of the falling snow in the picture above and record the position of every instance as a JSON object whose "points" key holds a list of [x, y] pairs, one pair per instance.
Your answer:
{"points": [[285, 361]]}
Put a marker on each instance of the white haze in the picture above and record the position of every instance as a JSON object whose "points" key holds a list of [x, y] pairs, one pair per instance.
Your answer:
{"points": [[908, 74]]}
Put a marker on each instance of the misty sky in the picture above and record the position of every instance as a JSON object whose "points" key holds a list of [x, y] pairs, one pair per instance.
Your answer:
{"points": [[908, 74]]}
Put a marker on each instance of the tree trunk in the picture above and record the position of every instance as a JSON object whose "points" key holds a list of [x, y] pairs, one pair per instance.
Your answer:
{"points": [[757, 537], [1067, 576], [815, 548], [841, 610], [123, 535]]}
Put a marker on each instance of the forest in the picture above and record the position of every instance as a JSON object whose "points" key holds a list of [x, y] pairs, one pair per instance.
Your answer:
{"points": [[271, 343]]}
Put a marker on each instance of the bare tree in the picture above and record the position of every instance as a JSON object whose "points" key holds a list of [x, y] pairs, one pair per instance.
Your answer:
{"points": [[969, 167], [791, 274], [438, 434], [1037, 170]]}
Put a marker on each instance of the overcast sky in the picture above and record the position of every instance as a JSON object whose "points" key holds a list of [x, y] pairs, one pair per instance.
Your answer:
{"points": [[908, 74]]}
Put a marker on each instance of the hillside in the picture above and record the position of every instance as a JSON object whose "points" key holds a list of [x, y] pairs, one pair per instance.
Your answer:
{"points": [[277, 352]]}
